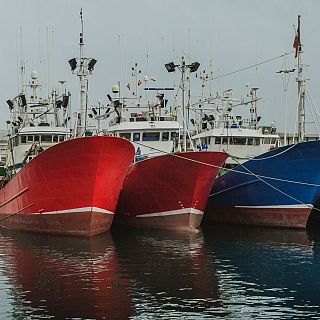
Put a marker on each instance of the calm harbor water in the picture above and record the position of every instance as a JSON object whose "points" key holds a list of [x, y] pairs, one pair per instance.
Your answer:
{"points": [[223, 272]]}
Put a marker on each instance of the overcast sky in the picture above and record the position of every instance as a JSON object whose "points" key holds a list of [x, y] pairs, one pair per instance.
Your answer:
{"points": [[222, 35]]}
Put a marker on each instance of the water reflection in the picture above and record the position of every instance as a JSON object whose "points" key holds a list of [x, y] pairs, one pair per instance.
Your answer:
{"points": [[226, 272], [266, 273], [173, 276], [62, 277]]}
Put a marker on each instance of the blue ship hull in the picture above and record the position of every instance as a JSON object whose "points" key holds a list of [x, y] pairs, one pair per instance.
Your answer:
{"points": [[277, 188]]}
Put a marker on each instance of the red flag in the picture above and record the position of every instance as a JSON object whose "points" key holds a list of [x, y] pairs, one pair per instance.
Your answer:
{"points": [[297, 43]]}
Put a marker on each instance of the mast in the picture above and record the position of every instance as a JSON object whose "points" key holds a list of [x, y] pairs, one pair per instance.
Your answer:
{"points": [[301, 86], [82, 74], [184, 126], [193, 68], [253, 108], [86, 66]]}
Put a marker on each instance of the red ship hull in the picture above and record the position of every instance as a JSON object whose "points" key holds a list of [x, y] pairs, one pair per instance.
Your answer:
{"points": [[72, 188], [169, 191]]}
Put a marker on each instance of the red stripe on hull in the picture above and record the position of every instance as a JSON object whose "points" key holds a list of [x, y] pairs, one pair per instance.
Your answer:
{"points": [[184, 221], [273, 217], [85, 224], [166, 183], [78, 173]]}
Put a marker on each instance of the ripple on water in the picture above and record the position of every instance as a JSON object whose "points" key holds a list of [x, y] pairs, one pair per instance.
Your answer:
{"points": [[222, 273]]}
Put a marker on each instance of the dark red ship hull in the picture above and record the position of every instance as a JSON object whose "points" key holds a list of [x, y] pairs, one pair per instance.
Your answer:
{"points": [[72, 188], [169, 191]]}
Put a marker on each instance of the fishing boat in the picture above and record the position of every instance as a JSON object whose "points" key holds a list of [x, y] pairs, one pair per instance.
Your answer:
{"points": [[166, 187], [60, 181], [277, 188]]}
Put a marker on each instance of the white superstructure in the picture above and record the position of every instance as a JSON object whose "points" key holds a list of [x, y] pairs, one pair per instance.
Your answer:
{"points": [[35, 124], [241, 138], [153, 132]]}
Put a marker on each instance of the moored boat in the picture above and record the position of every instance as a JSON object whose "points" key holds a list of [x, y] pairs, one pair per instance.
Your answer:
{"points": [[169, 191], [60, 181], [277, 188], [71, 188], [163, 188]]}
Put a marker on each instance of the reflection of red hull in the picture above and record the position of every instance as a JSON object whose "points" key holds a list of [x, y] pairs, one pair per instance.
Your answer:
{"points": [[64, 277], [71, 188], [169, 191]]}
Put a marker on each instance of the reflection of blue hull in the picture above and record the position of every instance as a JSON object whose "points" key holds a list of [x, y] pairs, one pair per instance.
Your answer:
{"points": [[285, 199]]}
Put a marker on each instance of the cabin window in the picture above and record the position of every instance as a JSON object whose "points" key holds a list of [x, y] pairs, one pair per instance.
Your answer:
{"points": [[238, 141], [254, 141], [30, 138], [23, 139], [46, 138], [141, 119], [267, 140], [174, 135], [224, 140], [217, 140], [61, 138], [273, 140], [165, 136], [250, 141], [16, 141], [36, 138], [126, 135], [151, 136], [3, 159], [204, 140], [55, 138], [136, 136]]}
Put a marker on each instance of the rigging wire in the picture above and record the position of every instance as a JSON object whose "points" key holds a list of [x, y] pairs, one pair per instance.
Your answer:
{"points": [[310, 184], [251, 66], [277, 189]]}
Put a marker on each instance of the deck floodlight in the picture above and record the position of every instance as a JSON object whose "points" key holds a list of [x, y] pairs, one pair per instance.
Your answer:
{"points": [[23, 100], [73, 63], [10, 104], [59, 104], [65, 101], [170, 66], [194, 66], [91, 64]]}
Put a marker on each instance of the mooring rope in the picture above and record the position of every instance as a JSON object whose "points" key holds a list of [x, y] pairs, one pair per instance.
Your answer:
{"points": [[265, 158], [235, 170], [277, 189]]}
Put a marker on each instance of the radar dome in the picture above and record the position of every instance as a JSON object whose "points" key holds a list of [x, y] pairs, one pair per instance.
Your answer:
{"points": [[115, 88], [34, 74]]}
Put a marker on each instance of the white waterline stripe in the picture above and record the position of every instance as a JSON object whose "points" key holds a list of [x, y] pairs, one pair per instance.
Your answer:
{"points": [[289, 206], [84, 209], [171, 213]]}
